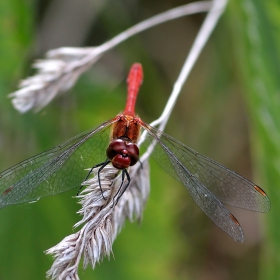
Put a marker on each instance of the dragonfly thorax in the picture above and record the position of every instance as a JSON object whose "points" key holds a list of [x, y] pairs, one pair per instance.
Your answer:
{"points": [[126, 127], [122, 153]]}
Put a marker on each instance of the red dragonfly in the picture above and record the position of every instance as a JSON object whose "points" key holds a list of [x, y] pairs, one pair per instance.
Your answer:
{"points": [[62, 168]]}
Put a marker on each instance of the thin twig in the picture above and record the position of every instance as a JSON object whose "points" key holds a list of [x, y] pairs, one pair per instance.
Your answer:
{"points": [[63, 66], [200, 41]]}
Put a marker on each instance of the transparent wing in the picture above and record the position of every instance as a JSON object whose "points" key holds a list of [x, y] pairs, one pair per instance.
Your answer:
{"points": [[56, 170], [209, 183]]}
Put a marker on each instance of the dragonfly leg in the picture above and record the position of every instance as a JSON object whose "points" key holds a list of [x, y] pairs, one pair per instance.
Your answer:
{"points": [[102, 164], [98, 174], [121, 189]]}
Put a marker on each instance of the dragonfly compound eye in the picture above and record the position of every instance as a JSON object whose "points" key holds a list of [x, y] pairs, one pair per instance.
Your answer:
{"points": [[133, 152], [115, 147], [122, 153]]}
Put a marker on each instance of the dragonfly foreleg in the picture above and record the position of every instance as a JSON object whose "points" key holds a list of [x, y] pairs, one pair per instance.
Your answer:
{"points": [[122, 189], [102, 164]]}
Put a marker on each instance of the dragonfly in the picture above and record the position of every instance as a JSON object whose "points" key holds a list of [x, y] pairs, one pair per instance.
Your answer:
{"points": [[210, 184]]}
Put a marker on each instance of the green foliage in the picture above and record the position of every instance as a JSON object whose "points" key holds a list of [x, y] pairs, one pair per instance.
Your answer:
{"points": [[256, 27], [233, 89]]}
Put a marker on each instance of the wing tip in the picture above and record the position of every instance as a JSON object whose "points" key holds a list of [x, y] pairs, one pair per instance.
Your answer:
{"points": [[263, 194], [240, 236]]}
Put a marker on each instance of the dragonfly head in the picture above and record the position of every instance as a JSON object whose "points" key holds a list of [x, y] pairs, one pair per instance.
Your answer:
{"points": [[122, 153]]}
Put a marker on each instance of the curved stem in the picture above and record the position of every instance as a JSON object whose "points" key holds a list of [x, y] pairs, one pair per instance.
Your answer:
{"points": [[200, 41]]}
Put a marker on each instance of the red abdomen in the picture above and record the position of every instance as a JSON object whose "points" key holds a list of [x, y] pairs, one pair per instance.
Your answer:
{"points": [[134, 81]]}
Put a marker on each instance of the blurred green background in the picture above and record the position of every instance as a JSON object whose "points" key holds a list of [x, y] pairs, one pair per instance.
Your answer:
{"points": [[228, 110]]}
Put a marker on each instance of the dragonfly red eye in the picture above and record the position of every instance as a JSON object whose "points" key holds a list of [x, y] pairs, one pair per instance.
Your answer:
{"points": [[133, 153], [122, 153]]}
